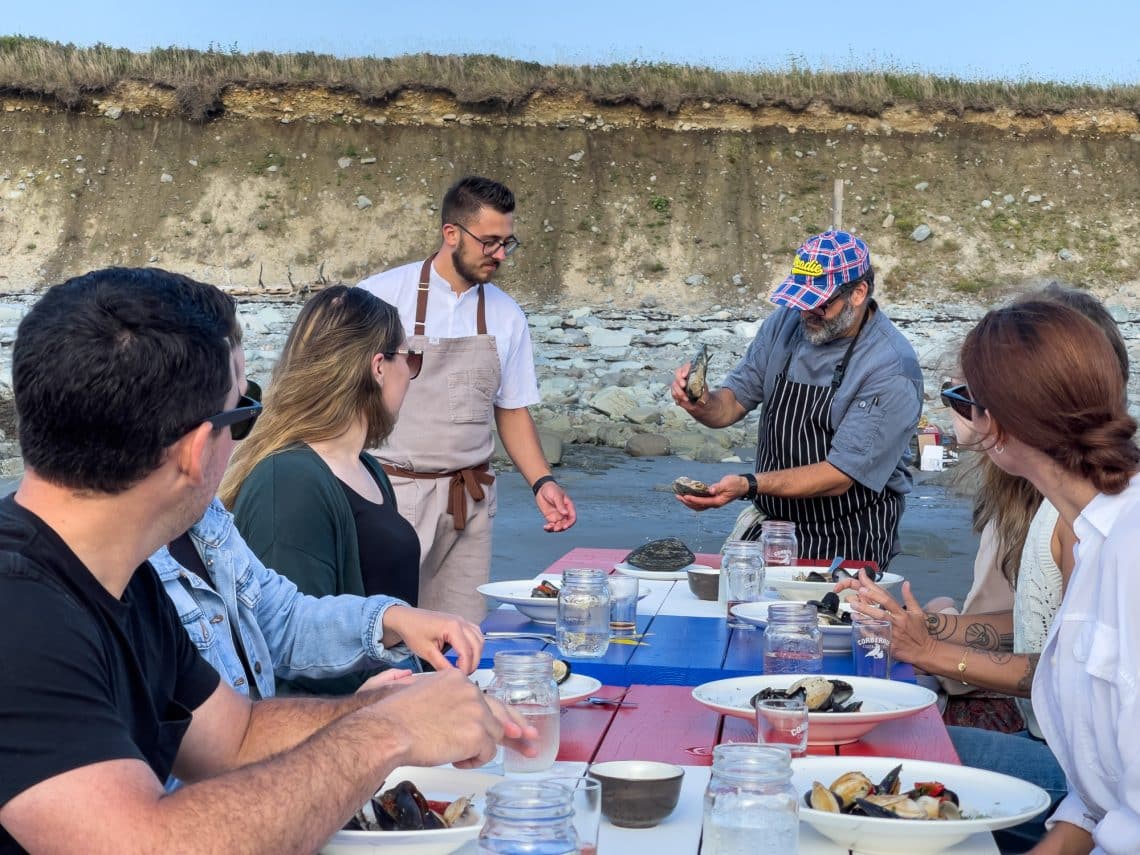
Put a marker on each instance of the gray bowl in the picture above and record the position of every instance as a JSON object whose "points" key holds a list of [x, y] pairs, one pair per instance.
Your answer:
{"points": [[704, 582], [638, 793]]}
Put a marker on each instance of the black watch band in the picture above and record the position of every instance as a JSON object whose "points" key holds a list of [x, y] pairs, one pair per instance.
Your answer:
{"points": [[537, 485], [751, 494]]}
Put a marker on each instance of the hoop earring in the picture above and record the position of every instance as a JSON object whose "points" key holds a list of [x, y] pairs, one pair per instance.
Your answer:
{"points": [[998, 449]]}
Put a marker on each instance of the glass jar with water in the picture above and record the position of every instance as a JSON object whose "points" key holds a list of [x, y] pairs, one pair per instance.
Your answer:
{"points": [[750, 805], [524, 680], [583, 627], [529, 818], [741, 577], [793, 641], [778, 543]]}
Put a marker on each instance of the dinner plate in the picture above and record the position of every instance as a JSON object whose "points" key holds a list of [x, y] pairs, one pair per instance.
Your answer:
{"points": [[836, 639], [988, 801], [783, 581], [658, 575], [442, 783], [577, 687], [516, 592], [883, 700]]}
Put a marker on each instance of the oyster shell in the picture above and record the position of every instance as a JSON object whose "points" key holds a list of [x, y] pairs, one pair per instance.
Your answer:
{"points": [[662, 556], [683, 486], [697, 382]]}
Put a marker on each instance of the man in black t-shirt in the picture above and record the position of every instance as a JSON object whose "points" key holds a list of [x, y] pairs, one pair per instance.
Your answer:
{"points": [[128, 407]]}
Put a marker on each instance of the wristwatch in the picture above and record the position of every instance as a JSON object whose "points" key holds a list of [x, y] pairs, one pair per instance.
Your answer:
{"points": [[751, 494]]}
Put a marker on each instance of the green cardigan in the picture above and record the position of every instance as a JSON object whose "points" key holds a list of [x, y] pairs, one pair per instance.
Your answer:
{"points": [[293, 513]]}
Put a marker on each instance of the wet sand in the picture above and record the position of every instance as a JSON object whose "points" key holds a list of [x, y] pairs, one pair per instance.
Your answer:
{"points": [[623, 501]]}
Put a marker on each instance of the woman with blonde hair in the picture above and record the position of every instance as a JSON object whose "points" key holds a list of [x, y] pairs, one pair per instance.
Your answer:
{"points": [[306, 496]]}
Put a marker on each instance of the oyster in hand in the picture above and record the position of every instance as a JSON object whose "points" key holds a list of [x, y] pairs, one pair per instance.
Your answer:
{"points": [[697, 382], [690, 487]]}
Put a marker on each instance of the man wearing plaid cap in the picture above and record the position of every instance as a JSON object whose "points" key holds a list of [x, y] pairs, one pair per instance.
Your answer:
{"points": [[841, 393]]}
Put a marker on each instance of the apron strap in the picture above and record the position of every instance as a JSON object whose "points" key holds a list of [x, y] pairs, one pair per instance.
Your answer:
{"points": [[481, 313], [422, 295], [464, 482]]}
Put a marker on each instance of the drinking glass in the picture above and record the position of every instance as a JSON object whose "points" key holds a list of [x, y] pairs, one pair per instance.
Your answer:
{"points": [[783, 722], [623, 604], [587, 801], [744, 582], [871, 646]]}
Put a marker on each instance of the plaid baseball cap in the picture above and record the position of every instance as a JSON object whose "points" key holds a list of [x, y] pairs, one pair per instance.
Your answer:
{"points": [[823, 264]]}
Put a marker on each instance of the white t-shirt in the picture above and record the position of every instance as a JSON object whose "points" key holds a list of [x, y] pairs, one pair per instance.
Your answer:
{"points": [[451, 316], [1085, 692]]}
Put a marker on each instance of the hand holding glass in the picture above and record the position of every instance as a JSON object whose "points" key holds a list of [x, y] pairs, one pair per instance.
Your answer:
{"points": [[783, 722]]}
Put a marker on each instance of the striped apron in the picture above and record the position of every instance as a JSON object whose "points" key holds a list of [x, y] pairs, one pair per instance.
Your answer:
{"points": [[796, 430]]}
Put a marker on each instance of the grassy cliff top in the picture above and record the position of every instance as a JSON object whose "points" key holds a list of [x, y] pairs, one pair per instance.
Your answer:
{"points": [[32, 67]]}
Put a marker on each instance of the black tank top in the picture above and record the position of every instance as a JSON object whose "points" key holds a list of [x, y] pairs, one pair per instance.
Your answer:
{"points": [[389, 548]]}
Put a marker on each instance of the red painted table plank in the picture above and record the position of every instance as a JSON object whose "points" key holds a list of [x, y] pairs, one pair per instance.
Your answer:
{"points": [[921, 736], [584, 725], [602, 559], [667, 725]]}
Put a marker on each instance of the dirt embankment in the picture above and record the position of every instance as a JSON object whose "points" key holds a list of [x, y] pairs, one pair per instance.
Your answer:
{"points": [[699, 206]]}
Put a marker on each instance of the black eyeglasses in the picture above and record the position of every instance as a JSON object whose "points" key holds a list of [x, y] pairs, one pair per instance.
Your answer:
{"points": [[415, 360], [844, 291], [240, 419], [491, 245], [957, 397]]}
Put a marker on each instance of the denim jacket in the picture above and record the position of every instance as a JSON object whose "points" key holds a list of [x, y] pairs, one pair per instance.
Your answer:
{"points": [[285, 633]]}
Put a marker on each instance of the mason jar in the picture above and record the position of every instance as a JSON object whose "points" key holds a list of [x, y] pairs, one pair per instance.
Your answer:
{"points": [[750, 805], [778, 543], [793, 641], [524, 680], [583, 626], [741, 577], [528, 818]]}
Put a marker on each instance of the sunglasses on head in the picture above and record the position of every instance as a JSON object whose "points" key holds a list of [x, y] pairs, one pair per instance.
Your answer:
{"points": [[956, 396], [415, 360]]}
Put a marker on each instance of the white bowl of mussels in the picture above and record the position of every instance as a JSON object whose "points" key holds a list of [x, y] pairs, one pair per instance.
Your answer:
{"points": [[840, 708], [419, 811], [804, 582], [895, 806], [835, 625]]}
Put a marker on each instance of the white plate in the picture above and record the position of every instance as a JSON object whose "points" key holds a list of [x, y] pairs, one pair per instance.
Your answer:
{"points": [[783, 581], [438, 782], [577, 686], [516, 592], [883, 700], [836, 639], [999, 800], [659, 575]]}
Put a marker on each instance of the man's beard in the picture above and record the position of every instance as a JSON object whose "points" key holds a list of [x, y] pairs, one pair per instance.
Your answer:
{"points": [[474, 273], [830, 330]]}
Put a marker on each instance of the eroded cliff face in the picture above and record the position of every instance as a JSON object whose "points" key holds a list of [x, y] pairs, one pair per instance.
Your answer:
{"points": [[291, 187]]}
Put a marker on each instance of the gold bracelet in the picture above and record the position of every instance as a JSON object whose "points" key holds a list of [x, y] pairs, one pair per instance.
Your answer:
{"points": [[962, 666]]}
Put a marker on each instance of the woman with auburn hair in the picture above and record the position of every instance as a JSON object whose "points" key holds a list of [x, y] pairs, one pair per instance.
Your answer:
{"points": [[307, 498], [1045, 396]]}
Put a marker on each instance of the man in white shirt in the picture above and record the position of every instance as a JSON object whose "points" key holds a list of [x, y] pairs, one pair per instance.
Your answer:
{"points": [[477, 364]]}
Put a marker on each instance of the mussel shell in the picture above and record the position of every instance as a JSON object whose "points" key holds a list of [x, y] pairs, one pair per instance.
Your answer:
{"points": [[697, 381], [664, 556], [817, 692], [851, 786], [821, 798]]}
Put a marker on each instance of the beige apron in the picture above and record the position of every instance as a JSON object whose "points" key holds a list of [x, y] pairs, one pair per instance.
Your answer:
{"points": [[437, 459]]}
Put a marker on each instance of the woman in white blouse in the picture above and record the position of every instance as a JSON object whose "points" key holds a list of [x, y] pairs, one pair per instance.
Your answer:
{"points": [[1046, 396]]}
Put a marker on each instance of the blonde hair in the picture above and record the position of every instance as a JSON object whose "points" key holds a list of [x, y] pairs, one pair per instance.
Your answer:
{"points": [[323, 381]]}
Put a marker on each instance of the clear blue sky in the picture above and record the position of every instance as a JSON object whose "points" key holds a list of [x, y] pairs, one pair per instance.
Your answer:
{"points": [[1087, 41]]}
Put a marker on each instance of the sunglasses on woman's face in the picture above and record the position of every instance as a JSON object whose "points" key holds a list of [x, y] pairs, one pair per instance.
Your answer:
{"points": [[415, 360], [957, 397]]}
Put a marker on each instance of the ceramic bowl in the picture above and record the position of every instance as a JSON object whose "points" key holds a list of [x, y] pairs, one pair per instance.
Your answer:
{"points": [[638, 793], [704, 581]]}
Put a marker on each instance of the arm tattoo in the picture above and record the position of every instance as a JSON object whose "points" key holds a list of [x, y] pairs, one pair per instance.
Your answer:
{"points": [[999, 657], [983, 635], [941, 626], [1025, 684]]}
